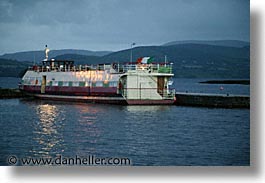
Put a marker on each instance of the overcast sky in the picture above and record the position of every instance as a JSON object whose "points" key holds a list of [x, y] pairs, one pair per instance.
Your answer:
{"points": [[115, 24]]}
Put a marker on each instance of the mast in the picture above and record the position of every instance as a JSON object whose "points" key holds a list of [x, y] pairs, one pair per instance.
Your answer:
{"points": [[34, 59], [131, 51]]}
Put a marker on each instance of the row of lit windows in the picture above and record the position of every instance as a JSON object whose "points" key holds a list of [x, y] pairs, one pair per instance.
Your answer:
{"points": [[71, 83]]}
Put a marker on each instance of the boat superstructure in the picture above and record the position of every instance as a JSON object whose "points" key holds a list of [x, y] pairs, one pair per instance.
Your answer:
{"points": [[128, 83]]}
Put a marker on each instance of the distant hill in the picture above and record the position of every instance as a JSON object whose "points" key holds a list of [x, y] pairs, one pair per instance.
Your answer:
{"points": [[189, 60], [12, 68], [180, 52], [229, 43], [40, 55], [194, 60]]}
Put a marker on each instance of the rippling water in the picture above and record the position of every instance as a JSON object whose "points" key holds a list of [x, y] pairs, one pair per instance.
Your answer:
{"points": [[193, 86], [9, 82], [148, 135]]}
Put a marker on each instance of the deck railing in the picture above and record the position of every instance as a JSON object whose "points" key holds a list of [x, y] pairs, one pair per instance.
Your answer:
{"points": [[120, 68], [67, 68], [154, 68]]}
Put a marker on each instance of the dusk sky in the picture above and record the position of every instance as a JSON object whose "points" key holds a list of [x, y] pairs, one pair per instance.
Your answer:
{"points": [[27, 25]]}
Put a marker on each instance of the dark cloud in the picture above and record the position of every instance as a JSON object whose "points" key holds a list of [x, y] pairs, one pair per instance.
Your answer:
{"points": [[114, 24]]}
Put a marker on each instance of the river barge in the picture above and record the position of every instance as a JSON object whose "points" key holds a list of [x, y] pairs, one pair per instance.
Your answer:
{"points": [[134, 83]]}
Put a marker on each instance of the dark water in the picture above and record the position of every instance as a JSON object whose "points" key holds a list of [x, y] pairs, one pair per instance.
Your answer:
{"points": [[9, 82], [148, 135], [193, 86]]}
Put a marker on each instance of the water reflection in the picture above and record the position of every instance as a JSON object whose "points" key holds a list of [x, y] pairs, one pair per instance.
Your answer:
{"points": [[66, 128], [148, 135], [144, 125], [146, 109], [87, 133], [47, 130], [47, 114]]}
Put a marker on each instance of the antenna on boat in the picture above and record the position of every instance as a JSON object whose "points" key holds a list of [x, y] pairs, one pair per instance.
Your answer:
{"points": [[131, 51], [34, 59], [46, 52]]}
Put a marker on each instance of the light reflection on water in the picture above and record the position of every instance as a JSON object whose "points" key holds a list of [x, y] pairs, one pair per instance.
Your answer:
{"points": [[47, 114], [88, 127], [149, 135], [146, 109], [47, 132]]}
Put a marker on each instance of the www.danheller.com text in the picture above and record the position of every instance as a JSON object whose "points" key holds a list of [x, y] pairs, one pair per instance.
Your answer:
{"points": [[89, 160]]}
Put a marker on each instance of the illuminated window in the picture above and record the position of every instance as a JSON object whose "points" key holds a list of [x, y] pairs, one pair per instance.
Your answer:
{"points": [[65, 83], [55, 83], [99, 83], [75, 83], [112, 84]]}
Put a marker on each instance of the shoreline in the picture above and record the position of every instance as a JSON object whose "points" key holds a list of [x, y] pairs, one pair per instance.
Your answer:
{"points": [[10, 93], [230, 81]]}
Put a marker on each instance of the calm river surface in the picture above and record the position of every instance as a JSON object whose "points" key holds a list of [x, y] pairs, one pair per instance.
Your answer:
{"points": [[148, 135]]}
